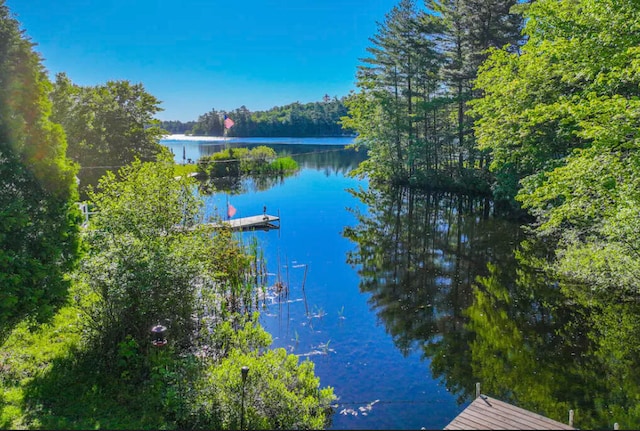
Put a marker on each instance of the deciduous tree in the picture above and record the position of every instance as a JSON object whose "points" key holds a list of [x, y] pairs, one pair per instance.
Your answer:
{"points": [[109, 124], [564, 116]]}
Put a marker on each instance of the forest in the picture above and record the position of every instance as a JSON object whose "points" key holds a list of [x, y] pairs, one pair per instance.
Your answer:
{"points": [[315, 119], [414, 89], [535, 104]]}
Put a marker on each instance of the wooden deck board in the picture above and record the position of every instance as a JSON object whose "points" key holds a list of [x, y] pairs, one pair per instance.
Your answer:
{"points": [[513, 410], [488, 413], [467, 422], [503, 420], [264, 221], [506, 416]]}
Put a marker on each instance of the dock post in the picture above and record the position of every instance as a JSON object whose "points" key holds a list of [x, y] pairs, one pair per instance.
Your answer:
{"points": [[616, 426], [477, 389], [570, 418]]}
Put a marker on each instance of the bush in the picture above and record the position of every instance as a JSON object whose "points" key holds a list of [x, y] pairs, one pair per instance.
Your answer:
{"points": [[279, 392], [185, 170]]}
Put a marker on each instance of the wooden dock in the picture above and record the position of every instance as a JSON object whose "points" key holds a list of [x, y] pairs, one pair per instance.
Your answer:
{"points": [[259, 222], [486, 413]]}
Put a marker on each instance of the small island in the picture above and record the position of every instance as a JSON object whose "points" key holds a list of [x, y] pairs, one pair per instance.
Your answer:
{"points": [[236, 162]]}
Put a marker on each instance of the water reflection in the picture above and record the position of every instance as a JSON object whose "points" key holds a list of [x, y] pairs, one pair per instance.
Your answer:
{"points": [[312, 153], [538, 346], [474, 296], [331, 158], [237, 185], [419, 254], [325, 154]]}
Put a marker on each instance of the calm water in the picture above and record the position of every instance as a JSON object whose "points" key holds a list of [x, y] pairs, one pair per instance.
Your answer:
{"points": [[192, 149], [404, 300]]}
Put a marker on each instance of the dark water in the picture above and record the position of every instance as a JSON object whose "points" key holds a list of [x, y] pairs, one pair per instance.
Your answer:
{"points": [[404, 300]]}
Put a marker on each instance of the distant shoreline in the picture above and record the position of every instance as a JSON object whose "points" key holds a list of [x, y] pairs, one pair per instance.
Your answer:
{"points": [[183, 137]]}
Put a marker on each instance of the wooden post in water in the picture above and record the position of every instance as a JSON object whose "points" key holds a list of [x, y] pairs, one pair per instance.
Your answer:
{"points": [[477, 389], [304, 294], [570, 418]]}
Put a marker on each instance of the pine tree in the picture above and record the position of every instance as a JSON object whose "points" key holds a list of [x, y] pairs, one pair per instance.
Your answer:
{"points": [[388, 80], [38, 217]]}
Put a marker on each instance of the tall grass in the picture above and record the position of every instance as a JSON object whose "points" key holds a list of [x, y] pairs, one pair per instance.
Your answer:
{"points": [[283, 164], [184, 170]]}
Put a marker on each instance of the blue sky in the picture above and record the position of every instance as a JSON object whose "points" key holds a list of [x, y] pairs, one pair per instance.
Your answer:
{"points": [[195, 55]]}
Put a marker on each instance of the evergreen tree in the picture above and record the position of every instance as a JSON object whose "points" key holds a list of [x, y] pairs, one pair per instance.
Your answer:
{"points": [[387, 83], [209, 124], [177, 127], [411, 108], [468, 29], [38, 217]]}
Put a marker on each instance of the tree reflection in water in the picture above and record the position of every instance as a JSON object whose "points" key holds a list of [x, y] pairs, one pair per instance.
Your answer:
{"points": [[241, 184], [474, 296], [332, 159]]}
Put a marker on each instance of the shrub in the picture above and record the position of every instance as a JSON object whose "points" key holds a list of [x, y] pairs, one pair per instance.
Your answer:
{"points": [[279, 392]]}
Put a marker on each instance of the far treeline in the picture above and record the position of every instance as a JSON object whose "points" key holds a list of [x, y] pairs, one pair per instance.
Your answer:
{"points": [[315, 119]]}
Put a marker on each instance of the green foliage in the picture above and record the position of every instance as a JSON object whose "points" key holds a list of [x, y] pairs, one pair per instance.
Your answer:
{"points": [[235, 162], [282, 165], [295, 119], [141, 261], [185, 170], [279, 393], [38, 217], [257, 160], [225, 163], [28, 353], [177, 127], [49, 379], [575, 75], [590, 208], [410, 111], [148, 261], [562, 117], [109, 124], [208, 124]]}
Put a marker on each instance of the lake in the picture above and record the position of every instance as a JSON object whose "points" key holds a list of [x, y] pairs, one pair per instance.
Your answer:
{"points": [[405, 299]]}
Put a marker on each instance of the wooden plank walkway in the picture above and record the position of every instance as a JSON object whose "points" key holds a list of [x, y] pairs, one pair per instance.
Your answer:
{"points": [[264, 222], [486, 413]]}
